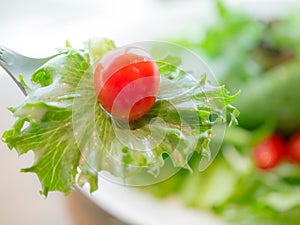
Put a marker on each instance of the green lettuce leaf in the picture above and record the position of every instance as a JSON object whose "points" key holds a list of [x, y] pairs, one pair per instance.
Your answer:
{"points": [[73, 139], [44, 123]]}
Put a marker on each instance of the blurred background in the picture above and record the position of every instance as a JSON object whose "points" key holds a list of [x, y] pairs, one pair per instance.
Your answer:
{"points": [[242, 41]]}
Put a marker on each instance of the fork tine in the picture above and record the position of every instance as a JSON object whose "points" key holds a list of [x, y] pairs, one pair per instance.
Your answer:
{"points": [[1, 57], [5, 53], [7, 58]]}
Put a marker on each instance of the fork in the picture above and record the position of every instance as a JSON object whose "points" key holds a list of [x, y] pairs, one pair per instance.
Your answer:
{"points": [[15, 64]]}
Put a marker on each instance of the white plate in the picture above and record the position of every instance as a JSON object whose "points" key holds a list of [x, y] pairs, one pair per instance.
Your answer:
{"points": [[136, 207], [43, 31]]}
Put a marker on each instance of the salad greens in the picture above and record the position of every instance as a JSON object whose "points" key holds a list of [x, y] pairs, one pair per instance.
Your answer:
{"points": [[261, 58], [73, 139]]}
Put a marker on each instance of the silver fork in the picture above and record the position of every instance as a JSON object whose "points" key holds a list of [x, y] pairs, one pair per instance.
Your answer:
{"points": [[15, 64]]}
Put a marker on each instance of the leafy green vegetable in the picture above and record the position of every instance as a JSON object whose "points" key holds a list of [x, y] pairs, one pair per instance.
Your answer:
{"points": [[260, 58], [240, 48], [73, 139], [280, 90], [44, 122]]}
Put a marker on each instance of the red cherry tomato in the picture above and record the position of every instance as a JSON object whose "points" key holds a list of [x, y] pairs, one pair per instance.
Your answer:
{"points": [[270, 152], [293, 148], [127, 82]]}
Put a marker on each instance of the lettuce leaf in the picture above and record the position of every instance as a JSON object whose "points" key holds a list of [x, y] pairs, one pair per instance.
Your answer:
{"points": [[73, 139], [44, 122]]}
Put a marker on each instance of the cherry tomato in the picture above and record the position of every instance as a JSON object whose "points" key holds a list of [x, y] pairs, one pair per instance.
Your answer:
{"points": [[293, 148], [127, 82], [270, 152]]}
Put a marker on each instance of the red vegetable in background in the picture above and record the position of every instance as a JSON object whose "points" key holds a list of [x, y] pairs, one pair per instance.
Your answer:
{"points": [[270, 152], [127, 83], [293, 148]]}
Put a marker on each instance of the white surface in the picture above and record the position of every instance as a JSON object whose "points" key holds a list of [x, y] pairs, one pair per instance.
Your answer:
{"points": [[36, 28]]}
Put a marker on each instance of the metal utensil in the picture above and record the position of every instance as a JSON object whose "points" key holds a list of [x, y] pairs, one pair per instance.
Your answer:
{"points": [[15, 64]]}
